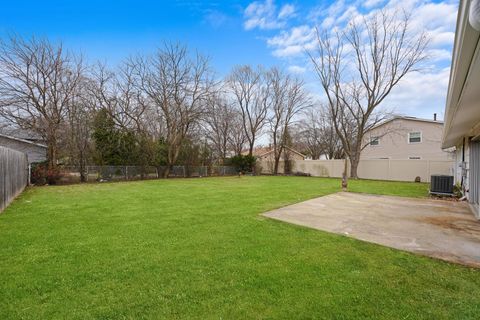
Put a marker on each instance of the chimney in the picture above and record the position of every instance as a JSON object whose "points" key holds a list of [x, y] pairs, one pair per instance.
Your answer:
{"points": [[434, 117]]}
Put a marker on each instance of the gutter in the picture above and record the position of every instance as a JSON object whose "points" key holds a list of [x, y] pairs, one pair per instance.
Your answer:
{"points": [[463, 55]]}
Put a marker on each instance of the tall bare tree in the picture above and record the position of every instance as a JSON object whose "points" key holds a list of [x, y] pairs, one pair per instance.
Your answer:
{"points": [[178, 86], [78, 127], [287, 99], [38, 80], [358, 68], [318, 136], [250, 93], [219, 124]]}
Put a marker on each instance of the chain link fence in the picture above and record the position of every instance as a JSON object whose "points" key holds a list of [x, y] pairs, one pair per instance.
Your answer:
{"points": [[72, 174]]}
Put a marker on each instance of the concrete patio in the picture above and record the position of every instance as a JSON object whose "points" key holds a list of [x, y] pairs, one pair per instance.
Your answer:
{"points": [[441, 229]]}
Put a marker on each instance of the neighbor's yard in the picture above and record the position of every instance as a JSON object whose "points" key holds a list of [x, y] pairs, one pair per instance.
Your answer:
{"points": [[198, 248]]}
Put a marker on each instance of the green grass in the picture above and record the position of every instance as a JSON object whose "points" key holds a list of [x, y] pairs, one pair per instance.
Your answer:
{"points": [[198, 248]]}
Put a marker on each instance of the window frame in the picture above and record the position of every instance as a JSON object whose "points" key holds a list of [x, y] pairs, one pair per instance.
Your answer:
{"points": [[414, 142], [376, 138]]}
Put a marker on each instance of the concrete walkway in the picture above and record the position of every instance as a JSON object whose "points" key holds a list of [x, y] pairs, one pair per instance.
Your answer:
{"points": [[441, 229]]}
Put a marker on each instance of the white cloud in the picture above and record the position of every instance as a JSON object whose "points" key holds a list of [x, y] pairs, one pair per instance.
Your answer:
{"points": [[297, 69], [436, 55], [293, 42], [418, 94], [287, 10], [215, 18], [263, 15], [372, 3]]}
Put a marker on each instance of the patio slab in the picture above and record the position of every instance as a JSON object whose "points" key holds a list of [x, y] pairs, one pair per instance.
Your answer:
{"points": [[441, 229]]}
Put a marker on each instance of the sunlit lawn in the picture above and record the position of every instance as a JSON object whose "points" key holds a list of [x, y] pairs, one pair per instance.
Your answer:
{"points": [[198, 248]]}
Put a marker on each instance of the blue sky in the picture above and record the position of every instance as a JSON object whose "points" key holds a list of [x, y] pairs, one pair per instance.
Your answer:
{"points": [[112, 30], [234, 32]]}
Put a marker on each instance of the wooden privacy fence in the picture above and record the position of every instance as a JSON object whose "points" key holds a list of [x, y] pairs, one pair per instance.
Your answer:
{"points": [[13, 175], [378, 169]]}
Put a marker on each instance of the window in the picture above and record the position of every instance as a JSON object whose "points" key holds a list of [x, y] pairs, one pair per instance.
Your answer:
{"points": [[414, 137], [374, 141], [415, 158]]}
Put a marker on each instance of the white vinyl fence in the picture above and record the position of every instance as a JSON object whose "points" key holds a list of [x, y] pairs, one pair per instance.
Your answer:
{"points": [[13, 175], [381, 169]]}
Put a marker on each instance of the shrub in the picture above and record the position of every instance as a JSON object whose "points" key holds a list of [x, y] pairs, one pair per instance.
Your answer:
{"points": [[243, 163], [41, 175], [458, 190]]}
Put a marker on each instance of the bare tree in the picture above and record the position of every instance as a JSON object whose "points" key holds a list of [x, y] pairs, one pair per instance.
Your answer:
{"points": [[359, 67], [318, 135], [38, 80], [178, 86], [237, 138], [287, 99], [78, 128], [250, 93], [118, 92], [219, 122]]}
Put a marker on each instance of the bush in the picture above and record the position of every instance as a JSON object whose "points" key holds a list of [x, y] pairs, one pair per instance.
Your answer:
{"points": [[41, 175], [243, 163], [458, 190]]}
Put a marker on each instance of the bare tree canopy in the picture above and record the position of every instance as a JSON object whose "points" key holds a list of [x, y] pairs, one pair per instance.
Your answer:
{"points": [[318, 136], [250, 91], [38, 80], [287, 99], [178, 86], [220, 121], [358, 68]]}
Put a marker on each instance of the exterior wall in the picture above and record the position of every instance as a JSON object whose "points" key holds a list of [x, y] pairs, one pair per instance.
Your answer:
{"points": [[34, 152], [394, 144], [394, 170], [462, 169]]}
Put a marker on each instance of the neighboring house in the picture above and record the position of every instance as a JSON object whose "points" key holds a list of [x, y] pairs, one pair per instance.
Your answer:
{"points": [[36, 152], [406, 138], [462, 111], [23, 135]]}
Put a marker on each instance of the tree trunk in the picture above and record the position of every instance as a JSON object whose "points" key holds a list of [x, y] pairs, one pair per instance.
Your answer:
{"points": [[173, 151], [82, 168], [167, 171], [52, 152], [250, 148], [275, 166], [354, 160], [344, 175]]}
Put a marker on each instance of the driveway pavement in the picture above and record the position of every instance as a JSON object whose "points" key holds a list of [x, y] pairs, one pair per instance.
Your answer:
{"points": [[441, 229]]}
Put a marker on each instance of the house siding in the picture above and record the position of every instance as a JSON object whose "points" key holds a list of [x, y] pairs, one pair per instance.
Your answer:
{"points": [[394, 141], [35, 153], [465, 161]]}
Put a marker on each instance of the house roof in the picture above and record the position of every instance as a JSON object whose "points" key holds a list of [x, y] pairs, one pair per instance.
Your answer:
{"points": [[22, 140], [462, 111], [407, 118]]}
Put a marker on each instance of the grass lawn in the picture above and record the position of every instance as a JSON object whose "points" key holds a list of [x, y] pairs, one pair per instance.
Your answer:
{"points": [[198, 248]]}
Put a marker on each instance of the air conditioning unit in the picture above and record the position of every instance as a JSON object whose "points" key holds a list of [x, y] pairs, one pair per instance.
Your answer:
{"points": [[441, 184]]}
